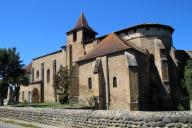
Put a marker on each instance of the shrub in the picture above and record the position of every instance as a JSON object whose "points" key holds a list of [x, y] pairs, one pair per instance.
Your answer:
{"points": [[180, 108], [63, 99]]}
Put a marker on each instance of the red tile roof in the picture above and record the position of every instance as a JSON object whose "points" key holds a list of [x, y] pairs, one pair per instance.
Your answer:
{"points": [[112, 43], [28, 68]]}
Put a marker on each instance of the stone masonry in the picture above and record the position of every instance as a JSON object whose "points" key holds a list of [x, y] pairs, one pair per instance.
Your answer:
{"points": [[128, 69], [100, 118]]}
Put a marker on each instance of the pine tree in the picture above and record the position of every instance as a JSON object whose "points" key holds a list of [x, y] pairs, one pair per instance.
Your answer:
{"points": [[11, 70]]}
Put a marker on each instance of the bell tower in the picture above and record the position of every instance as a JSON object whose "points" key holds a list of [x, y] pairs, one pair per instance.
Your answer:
{"points": [[81, 32], [77, 37]]}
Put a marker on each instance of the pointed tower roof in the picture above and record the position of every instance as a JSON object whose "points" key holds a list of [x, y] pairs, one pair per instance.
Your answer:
{"points": [[82, 23]]}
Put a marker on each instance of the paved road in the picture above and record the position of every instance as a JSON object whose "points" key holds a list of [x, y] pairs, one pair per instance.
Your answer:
{"points": [[4, 125]]}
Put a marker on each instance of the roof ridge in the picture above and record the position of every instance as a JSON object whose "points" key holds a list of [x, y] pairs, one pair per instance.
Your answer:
{"points": [[121, 39], [110, 44]]}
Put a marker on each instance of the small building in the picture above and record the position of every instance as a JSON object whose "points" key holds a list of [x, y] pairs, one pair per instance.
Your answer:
{"points": [[136, 68]]}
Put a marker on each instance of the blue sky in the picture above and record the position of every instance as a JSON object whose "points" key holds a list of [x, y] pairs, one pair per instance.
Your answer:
{"points": [[37, 27]]}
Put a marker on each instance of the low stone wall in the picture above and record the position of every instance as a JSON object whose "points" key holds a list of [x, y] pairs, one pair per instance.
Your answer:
{"points": [[99, 118]]}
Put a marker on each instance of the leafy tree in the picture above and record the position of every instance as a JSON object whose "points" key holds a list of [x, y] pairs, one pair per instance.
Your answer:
{"points": [[23, 79], [11, 70], [187, 82], [3, 91], [61, 82]]}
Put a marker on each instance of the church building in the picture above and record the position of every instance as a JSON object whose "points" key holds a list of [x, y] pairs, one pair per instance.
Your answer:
{"points": [[136, 68]]}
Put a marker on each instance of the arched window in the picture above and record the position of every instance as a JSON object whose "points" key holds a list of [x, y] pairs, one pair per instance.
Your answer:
{"points": [[48, 75], [74, 36], [90, 83], [61, 66], [37, 74], [23, 95], [114, 82]]}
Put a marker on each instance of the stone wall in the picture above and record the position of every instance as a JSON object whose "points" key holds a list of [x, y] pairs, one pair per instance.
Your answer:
{"points": [[99, 118], [60, 57]]}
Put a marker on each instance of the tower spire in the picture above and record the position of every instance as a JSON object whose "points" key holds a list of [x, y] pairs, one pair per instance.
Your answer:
{"points": [[82, 21], [82, 24]]}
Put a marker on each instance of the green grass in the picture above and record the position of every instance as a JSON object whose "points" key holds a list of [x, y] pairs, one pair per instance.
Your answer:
{"points": [[49, 105]]}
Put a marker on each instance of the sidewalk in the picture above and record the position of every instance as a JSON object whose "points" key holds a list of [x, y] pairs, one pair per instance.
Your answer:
{"points": [[5, 125], [23, 124]]}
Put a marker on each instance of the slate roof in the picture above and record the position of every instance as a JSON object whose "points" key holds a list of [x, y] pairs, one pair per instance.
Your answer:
{"points": [[82, 23], [111, 44]]}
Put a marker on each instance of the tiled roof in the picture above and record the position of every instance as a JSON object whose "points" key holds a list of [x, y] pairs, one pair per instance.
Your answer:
{"points": [[28, 68], [82, 23], [144, 25], [112, 43]]}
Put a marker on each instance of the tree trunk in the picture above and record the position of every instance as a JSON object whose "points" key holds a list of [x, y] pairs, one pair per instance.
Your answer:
{"points": [[17, 89], [55, 93], [1, 100]]}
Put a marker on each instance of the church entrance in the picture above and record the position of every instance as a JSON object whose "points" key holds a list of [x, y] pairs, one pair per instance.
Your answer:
{"points": [[35, 98]]}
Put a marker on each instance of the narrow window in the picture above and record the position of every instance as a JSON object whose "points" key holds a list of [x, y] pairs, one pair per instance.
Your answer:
{"points": [[37, 74], [165, 73], [42, 72], [23, 94], [163, 53], [48, 75], [74, 36], [61, 66], [90, 83], [114, 82], [29, 96]]}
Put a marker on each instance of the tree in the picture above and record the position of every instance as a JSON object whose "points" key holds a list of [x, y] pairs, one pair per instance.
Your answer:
{"points": [[11, 69], [187, 82], [3, 91], [61, 82], [23, 79]]}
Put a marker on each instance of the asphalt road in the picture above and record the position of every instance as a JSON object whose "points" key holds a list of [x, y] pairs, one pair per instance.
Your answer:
{"points": [[4, 125]]}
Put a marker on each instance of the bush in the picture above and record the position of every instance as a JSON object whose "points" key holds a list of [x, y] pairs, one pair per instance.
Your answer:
{"points": [[187, 82], [63, 99], [180, 108], [61, 82]]}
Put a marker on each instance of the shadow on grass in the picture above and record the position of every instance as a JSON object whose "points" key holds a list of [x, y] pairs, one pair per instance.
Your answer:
{"points": [[52, 105]]}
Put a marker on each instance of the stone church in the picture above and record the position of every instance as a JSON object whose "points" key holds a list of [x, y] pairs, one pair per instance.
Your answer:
{"points": [[136, 68]]}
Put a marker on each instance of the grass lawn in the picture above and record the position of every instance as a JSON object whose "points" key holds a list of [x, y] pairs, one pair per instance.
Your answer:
{"points": [[49, 105]]}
